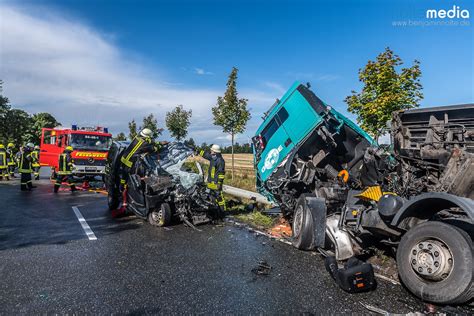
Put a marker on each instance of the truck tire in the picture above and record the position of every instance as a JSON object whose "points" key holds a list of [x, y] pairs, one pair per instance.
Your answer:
{"points": [[112, 199], [435, 262], [302, 226], [160, 217]]}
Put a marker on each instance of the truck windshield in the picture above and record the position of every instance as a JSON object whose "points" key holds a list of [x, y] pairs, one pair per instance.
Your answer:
{"points": [[90, 142]]}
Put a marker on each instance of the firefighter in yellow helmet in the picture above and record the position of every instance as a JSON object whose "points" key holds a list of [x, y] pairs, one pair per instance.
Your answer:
{"points": [[3, 164], [35, 154], [216, 176], [64, 172], [11, 162], [25, 169]]}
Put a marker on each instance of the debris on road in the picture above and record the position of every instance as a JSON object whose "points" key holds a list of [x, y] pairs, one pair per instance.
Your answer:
{"points": [[262, 268]]}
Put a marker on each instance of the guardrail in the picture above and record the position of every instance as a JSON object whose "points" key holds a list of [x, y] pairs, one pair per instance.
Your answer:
{"points": [[246, 194]]}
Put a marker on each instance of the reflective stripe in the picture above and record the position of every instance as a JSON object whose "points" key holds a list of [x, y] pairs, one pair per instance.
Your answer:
{"points": [[126, 160], [201, 153]]}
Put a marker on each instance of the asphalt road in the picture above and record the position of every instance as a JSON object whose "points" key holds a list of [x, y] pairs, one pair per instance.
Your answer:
{"points": [[49, 265]]}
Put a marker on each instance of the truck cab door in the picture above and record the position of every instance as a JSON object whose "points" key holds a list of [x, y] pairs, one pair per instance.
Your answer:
{"points": [[49, 150], [276, 144]]}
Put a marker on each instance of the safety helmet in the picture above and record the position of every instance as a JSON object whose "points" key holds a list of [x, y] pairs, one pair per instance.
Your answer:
{"points": [[30, 145], [1, 146], [10, 145], [69, 148], [37, 147], [146, 132], [216, 148]]}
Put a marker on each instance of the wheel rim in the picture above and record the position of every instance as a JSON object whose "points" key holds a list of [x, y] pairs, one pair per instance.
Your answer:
{"points": [[298, 221], [158, 217], [431, 259]]}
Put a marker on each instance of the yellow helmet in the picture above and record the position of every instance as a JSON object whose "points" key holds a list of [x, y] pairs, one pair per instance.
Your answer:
{"points": [[1, 146], [10, 145], [69, 148]]}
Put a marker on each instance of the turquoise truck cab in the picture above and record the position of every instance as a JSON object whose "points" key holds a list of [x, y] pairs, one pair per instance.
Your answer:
{"points": [[289, 124]]}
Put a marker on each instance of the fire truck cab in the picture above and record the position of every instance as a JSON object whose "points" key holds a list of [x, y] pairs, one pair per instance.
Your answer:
{"points": [[90, 144]]}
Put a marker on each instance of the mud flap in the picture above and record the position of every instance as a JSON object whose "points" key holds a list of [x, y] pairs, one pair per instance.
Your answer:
{"points": [[318, 210]]}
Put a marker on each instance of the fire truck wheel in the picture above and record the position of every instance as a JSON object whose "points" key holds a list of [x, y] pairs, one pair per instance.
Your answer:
{"points": [[160, 217], [435, 262]]}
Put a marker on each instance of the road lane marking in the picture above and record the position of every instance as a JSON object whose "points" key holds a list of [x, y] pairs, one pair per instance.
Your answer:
{"points": [[90, 234]]}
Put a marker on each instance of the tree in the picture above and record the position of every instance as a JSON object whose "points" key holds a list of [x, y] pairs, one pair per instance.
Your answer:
{"points": [[177, 122], [120, 137], [151, 123], [39, 121], [385, 90], [4, 108], [17, 127], [231, 113], [132, 130]]}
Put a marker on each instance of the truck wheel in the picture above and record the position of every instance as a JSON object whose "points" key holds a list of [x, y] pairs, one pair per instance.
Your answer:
{"points": [[302, 226], [435, 262], [112, 199], [160, 217]]}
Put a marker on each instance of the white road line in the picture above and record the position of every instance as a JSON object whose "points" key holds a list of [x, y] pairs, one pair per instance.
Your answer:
{"points": [[90, 234]]}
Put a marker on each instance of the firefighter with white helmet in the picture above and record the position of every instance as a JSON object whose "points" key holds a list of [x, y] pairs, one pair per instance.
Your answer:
{"points": [[142, 143], [216, 176]]}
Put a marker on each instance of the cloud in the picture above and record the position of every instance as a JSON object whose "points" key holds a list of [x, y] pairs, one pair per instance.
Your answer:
{"points": [[202, 72], [65, 67]]}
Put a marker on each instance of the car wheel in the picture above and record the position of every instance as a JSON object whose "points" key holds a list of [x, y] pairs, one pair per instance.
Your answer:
{"points": [[112, 199], [302, 225], [160, 217], [435, 262]]}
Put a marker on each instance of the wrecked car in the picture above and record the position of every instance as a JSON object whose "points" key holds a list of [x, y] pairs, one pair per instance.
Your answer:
{"points": [[343, 193], [160, 187]]}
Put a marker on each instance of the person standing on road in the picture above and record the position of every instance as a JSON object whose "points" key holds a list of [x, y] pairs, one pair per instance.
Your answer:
{"points": [[11, 159], [142, 143], [36, 164], [25, 169], [216, 176], [3, 164], [64, 172]]}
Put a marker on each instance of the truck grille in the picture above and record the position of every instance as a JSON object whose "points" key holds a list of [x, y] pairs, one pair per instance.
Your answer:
{"points": [[89, 162]]}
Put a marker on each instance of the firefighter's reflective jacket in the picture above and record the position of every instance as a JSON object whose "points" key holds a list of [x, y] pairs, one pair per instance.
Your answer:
{"points": [[10, 157], [216, 173], [65, 164], [24, 163], [3, 159], [35, 156], [138, 146]]}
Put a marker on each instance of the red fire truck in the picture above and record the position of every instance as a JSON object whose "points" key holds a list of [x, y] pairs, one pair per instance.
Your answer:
{"points": [[90, 144]]}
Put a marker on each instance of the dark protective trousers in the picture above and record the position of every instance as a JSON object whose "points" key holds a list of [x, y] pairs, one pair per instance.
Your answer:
{"points": [[36, 171], [64, 178], [11, 169], [4, 175], [25, 179], [218, 197]]}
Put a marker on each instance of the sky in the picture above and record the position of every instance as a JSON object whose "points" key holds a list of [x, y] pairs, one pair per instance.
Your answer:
{"points": [[107, 62]]}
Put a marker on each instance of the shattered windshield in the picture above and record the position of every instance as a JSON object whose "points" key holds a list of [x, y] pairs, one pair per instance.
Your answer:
{"points": [[172, 159], [90, 142]]}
